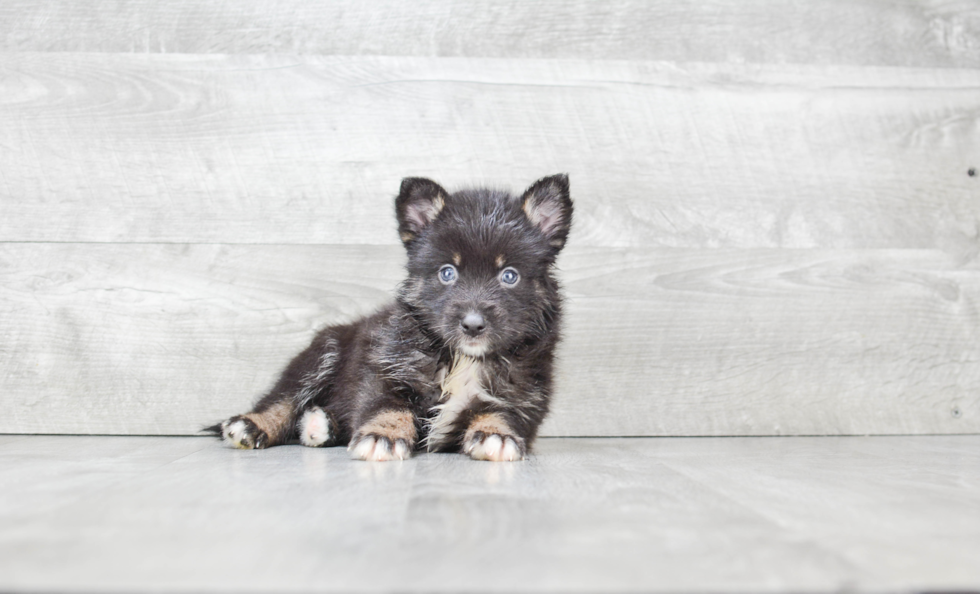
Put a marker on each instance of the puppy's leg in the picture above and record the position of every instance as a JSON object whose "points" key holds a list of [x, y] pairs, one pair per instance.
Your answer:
{"points": [[490, 436], [389, 434], [268, 425], [302, 385]]}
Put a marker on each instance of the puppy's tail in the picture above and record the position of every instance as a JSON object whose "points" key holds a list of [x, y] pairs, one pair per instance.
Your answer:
{"points": [[214, 430]]}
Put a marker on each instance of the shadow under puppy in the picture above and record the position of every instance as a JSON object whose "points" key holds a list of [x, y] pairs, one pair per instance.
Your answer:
{"points": [[461, 361]]}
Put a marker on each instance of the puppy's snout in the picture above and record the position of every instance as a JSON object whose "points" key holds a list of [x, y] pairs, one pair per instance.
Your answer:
{"points": [[473, 324]]}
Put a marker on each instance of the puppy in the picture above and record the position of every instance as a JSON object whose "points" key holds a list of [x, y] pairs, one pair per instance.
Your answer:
{"points": [[461, 361]]}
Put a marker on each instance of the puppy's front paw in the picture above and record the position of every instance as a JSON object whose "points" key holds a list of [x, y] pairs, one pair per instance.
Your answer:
{"points": [[495, 447], [380, 448], [389, 435], [243, 434], [490, 437]]}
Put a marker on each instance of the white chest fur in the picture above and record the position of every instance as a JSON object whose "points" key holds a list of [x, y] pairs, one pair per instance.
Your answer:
{"points": [[461, 385]]}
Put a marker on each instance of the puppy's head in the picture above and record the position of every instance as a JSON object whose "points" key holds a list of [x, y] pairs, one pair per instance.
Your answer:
{"points": [[479, 261]]}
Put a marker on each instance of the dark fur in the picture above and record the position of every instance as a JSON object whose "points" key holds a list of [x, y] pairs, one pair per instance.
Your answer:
{"points": [[391, 361]]}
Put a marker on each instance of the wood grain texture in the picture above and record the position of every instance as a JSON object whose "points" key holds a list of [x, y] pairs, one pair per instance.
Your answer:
{"points": [[308, 149], [116, 333], [769, 342], [161, 339], [932, 33]]}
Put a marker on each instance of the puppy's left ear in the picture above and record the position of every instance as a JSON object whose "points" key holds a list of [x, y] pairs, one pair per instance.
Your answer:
{"points": [[548, 206], [419, 202]]}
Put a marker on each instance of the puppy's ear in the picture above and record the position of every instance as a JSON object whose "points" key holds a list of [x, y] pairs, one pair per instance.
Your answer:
{"points": [[419, 202], [549, 207]]}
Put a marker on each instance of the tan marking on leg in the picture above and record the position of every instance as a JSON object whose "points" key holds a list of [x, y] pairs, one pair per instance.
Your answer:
{"points": [[274, 420], [393, 424], [489, 423], [489, 437], [407, 237], [500, 261], [457, 259]]}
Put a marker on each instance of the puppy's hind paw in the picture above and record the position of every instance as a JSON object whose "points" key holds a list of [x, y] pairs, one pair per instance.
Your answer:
{"points": [[243, 434], [379, 448], [495, 447], [316, 428]]}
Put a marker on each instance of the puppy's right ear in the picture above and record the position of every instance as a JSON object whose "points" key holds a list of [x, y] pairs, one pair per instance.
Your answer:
{"points": [[419, 202]]}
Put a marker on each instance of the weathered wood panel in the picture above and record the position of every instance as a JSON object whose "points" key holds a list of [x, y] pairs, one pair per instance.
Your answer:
{"points": [[160, 339], [774, 342], [934, 33], [157, 339], [310, 149]]}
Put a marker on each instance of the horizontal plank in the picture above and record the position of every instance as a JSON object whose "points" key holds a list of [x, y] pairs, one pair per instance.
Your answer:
{"points": [[308, 149], [160, 339], [933, 33]]}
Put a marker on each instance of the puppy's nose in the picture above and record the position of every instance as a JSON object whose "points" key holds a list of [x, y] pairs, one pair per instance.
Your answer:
{"points": [[473, 324]]}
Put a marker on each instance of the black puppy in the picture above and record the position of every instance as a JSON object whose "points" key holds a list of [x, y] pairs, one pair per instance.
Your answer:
{"points": [[461, 361]]}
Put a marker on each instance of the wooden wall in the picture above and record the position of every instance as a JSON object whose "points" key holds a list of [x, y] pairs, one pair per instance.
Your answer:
{"points": [[776, 229]]}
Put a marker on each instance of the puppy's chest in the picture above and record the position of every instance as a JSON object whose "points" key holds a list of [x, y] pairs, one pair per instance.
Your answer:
{"points": [[461, 385], [461, 380]]}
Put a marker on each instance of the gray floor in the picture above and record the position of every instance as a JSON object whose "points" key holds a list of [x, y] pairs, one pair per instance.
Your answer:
{"points": [[700, 514]]}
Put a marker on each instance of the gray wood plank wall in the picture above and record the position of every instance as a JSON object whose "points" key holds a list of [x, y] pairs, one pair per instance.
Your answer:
{"points": [[776, 230]]}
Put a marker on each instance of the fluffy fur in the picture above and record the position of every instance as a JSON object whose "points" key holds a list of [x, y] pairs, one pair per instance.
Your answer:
{"points": [[460, 361]]}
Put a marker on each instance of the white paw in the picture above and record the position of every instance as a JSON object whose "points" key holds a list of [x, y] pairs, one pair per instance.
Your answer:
{"points": [[242, 433], [314, 428], [378, 448], [494, 447], [233, 432]]}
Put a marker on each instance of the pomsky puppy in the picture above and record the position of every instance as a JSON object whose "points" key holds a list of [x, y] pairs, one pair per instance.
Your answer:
{"points": [[460, 361]]}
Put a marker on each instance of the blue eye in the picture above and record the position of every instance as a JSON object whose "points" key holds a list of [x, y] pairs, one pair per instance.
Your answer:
{"points": [[509, 276], [447, 274]]}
